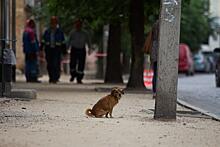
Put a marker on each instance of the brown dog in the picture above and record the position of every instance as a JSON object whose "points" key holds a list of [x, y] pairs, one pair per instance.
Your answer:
{"points": [[105, 105]]}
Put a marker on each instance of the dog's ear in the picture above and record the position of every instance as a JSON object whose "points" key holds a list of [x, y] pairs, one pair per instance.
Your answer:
{"points": [[114, 88], [122, 90]]}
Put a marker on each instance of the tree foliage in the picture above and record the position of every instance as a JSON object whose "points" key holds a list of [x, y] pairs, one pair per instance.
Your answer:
{"points": [[195, 20], [96, 13], [195, 23]]}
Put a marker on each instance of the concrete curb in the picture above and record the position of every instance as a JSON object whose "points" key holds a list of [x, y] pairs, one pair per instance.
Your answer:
{"points": [[26, 94], [185, 104]]}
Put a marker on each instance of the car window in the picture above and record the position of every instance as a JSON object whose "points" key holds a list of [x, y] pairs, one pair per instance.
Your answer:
{"points": [[196, 57]]}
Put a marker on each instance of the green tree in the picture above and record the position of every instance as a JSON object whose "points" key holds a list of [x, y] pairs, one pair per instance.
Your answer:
{"points": [[137, 20], [195, 23], [137, 39], [117, 13], [98, 13]]}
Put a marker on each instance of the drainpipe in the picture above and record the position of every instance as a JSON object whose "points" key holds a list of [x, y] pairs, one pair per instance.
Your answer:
{"points": [[14, 37], [3, 37], [5, 43]]}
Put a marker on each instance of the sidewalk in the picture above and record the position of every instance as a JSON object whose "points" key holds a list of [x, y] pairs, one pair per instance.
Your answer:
{"points": [[57, 119]]}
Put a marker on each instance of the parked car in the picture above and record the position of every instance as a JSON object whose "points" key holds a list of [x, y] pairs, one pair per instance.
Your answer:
{"points": [[185, 60], [201, 63], [217, 67], [209, 55]]}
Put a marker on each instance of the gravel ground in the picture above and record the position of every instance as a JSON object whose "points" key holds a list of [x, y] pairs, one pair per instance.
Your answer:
{"points": [[57, 119]]}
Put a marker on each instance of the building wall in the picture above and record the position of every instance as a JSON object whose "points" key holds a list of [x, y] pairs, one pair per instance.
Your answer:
{"points": [[215, 12], [20, 23], [214, 7]]}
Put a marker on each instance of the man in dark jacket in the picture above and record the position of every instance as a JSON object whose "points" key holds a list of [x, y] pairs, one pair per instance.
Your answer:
{"points": [[77, 42], [53, 42]]}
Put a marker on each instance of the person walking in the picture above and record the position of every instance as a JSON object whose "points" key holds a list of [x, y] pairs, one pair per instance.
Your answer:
{"points": [[77, 42], [53, 43], [151, 46], [31, 49]]}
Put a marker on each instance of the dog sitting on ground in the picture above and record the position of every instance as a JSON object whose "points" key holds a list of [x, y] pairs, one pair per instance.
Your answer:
{"points": [[105, 105]]}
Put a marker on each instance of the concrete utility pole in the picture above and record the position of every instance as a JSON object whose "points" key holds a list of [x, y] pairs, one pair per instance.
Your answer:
{"points": [[165, 106]]}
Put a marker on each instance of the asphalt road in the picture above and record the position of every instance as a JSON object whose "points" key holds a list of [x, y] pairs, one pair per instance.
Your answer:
{"points": [[199, 92]]}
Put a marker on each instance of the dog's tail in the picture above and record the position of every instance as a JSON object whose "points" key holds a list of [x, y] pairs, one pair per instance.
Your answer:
{"points": [[89, 112]]}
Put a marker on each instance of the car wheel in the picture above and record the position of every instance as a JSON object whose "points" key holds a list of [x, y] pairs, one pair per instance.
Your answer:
{"points": [[218, 83], [207, 68], [190, 71], [217, 80]]}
